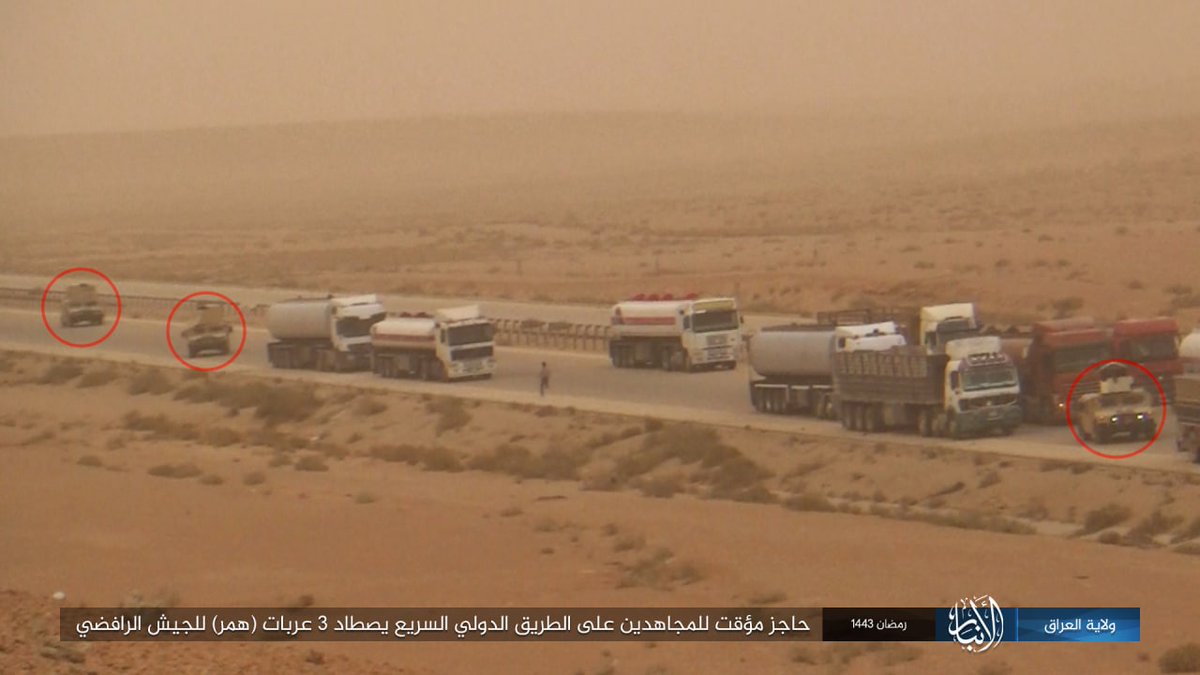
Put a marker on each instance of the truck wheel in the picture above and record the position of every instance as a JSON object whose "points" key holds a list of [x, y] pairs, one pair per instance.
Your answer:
{"points": [[923, 425], [438, 372], [952, 430], [665, 357], [870, 422]]}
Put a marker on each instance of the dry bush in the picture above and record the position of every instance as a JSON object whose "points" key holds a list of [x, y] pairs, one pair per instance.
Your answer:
{"points": [[272, 402], [519, 461], [89, 460], [60, 373], [369, 405], [311, 463], [451, 412], [98, 377], [1190, 532], [1104, 517], [661, 487], [211, 479], [628, 542], [220, 437], [279, 459], [254, 478], [364, 498], [1153, 525], [809, 502], [721, 467], [1182, 659], [149, 381], [659, 570], [435, 458], [182, 470], [766, 599], [989, 479]]}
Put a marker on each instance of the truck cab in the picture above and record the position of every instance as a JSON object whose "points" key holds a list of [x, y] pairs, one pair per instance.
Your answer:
{"points": [[1118, 409], [937, 325], [1050, 361], [351, 319], [465, 343], [982, 389], [1153, 344]]}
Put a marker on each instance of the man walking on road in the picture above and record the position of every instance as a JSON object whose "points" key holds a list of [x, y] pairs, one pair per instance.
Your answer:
{"points": [[545, 379]]}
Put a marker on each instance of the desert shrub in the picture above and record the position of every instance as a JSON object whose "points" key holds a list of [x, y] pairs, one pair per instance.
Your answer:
{"points": [[98, 377], [451, 412], [183, 470], [369, 405], [1065, 307], [519, 461], [279, 459], [1104, 517], [662, 487], [211, 479], [1153, 525], [149, 381], [1181, 659], [311, 463], [254, 478], [809, 502], [60, 373], [274, 403], [89, 460], [220, 437], [364, 498], [720, 466]]}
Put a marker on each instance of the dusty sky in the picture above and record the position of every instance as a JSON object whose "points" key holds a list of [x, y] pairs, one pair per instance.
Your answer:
{"points": [[143, 64]]}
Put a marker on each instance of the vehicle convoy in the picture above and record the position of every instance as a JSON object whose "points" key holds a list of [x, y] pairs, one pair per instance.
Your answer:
{"points": [[675, 334], [1189, 352], [81, 307], [209, 331], [1119, 409], [967, 387], [451, 344], [1050, 358], [1187, 414], [791, 366], [332, 334], [1152, 344]]}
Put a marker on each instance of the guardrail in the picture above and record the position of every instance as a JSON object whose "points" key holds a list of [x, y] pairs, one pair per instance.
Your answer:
{"points": [[527, 332]]}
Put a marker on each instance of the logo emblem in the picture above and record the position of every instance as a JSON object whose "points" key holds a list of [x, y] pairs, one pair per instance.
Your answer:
{"points": [[977, 624]]}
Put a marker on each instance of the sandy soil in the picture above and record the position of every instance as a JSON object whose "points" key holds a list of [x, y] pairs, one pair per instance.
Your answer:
{"points": [[791, 215], [139, 485]]}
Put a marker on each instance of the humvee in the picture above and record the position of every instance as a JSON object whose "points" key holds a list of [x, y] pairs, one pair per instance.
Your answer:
{"points": [[209, 332], [1118, 409], [80, 307]]}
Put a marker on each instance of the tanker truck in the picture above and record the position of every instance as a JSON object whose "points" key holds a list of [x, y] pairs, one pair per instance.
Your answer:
{"points": [[209, 331], [930, 327], [332, 334], [1152, 344], [675, 334], [1189, 352], [1050, 358], [80, 307], [968, 388], [452, 344], [1187, 413], [791, 366]]}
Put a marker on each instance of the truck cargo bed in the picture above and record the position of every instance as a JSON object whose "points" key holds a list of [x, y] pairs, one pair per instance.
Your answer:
{"points": [[901, 375]]}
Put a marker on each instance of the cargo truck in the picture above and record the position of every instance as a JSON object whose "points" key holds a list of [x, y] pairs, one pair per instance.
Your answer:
{"points": [[1187, 414], [451, 344], [80, 307], [1189, 352], [791, 366], [209, 331], [332, 334], [1152, 344], [1120, 408], [970, 387], [1049, 358], [675, 334], [929, 327]]}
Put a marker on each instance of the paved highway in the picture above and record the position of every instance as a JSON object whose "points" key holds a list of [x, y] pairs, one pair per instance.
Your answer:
{"points": [[586, 381]]}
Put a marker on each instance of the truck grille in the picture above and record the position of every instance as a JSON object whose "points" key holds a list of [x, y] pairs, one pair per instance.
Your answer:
{"points": [[716, 340], [469, 353]]}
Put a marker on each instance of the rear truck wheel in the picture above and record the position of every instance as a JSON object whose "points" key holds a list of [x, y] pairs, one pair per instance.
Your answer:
{"points": [[870, 422], [844, 415], [856, 419], [952, 428], [438, 373], [687, 366], [923, 422]]}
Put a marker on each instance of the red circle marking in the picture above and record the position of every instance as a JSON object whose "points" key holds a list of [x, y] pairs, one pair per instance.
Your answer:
{"points": [[219, 366], [116, 319], [1161, 397]]}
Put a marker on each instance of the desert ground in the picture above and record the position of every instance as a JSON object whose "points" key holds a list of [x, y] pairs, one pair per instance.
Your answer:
{"points": [[792, 215], [144, 486], [136, 484]]}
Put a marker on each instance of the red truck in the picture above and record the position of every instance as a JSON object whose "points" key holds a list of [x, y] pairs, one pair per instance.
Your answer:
{"points": [[1154, 345], [1049, 358]]}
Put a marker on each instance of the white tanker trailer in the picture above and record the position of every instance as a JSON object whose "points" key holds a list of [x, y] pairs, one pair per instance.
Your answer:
{"points": [[323, 333], [1189, 352]]}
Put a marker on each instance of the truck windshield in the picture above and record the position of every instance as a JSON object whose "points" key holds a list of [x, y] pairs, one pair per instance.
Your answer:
{"points": [[1077, 358], [465, 335], [354, 326], [709, 322], [1154, 348], [988, 377]]}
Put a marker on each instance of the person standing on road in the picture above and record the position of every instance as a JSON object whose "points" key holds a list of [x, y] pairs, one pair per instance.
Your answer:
{"points": [[544, 379]]}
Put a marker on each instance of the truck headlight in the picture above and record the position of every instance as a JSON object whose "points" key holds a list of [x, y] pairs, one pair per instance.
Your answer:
{"points": [[1113, 418]]}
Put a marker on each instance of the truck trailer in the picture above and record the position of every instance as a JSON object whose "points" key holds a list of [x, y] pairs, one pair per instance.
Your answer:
{"points": [[1189, 352], [791, 366], [451, 344], [1049, 358], [331, 334], [80, 307], [1152, 344], [675, 334], [969, 387], [1187, 414]]}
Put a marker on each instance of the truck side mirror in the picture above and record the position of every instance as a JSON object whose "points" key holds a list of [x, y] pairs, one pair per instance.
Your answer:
{"points": [[954, 381], [687, 323]]}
